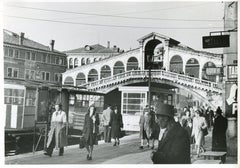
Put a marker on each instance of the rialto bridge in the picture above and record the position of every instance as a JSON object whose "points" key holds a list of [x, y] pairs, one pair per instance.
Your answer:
{"points": [[175, 70]]}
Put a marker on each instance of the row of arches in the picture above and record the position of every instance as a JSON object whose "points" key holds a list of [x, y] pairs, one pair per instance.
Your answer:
{"points": [[105, 72], [192, 68], [75, 62]]}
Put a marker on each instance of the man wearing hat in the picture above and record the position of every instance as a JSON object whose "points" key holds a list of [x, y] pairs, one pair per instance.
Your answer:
{"points": [[57, 135], [174, 143], [219, 132]]}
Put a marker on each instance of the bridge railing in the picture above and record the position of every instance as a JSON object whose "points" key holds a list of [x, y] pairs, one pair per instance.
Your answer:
{"points": [[155, 74]]}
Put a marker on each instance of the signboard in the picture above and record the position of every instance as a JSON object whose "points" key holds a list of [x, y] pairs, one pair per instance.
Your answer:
{"points": [[232, 71], [215, 41], [213, 71]]}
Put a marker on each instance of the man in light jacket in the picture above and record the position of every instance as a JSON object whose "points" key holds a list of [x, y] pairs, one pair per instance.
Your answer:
{"points": [[57, 135], [106, 119]]}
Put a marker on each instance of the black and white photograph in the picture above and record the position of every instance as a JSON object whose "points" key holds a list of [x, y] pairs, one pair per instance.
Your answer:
{"points": [[119, 82]]}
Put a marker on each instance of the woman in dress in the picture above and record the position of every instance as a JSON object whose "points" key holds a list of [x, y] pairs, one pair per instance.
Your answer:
{"points": [[90, 130], [199, 123], [116, 124]]}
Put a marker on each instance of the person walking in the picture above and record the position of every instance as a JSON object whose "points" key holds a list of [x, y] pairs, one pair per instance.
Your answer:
{"points": [[144, 126], [219, 132], [199, 124], [116, 124], [57, 135], [154, 127], [174, 145], [91, 130], [106, 119]]}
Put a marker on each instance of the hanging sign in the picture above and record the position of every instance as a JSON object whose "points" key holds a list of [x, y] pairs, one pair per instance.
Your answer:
{"points": [[215, 41]]}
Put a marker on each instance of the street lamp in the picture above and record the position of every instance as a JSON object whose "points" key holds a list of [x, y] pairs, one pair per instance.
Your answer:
{"points": [[150, 63]]}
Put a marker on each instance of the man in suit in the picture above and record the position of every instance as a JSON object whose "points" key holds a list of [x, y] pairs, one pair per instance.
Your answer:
{"points": [[174, 143], [106, 119]]}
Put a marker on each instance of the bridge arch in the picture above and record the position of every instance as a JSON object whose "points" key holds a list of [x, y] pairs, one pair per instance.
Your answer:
{"points": [[132, 64], [92, 75], [105, 71], [118, 68], [192, 68], [83, 61], [206, 75], [88, 61], [69, 81], [176, 64], [80, 79]]}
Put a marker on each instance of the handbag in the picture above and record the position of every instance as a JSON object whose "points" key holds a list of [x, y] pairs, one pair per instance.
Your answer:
{"points": [[205, 131], [82, 142]]}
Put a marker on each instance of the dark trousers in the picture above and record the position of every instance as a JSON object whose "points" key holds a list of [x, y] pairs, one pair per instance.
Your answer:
{"points": [[107, 134], [52, 145]]}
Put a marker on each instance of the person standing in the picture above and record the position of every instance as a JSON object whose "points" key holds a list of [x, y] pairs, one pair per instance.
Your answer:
{"points": [[199, 124], [91, 130], [219, 132], [116, 124], [106, 119], [154, 126], [57, 135], [144, 127], [174, 144]]}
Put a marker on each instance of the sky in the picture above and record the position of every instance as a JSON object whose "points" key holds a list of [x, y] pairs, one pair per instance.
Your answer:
{"points": [[76, 24]]}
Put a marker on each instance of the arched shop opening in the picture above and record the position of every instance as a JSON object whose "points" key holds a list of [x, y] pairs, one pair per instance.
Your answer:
{"points": [[105, 72], [69, 81], [132, 64], [209, 72], [118, 68], [192, 68], [81, 79], [176, 64], [92, 75]]}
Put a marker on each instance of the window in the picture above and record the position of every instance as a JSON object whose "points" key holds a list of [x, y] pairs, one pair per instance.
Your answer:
{"points": [[60, 61], [5, 51], [43, 75], [47, 76], [57, 60], [56, 78], [44, 57], [13, 96], [30, 98], [29, 74], [49, 59], [10, 52], [232, 71], [12, 72], [33, 57], [133, 103], [28, 57], [9, 72], [16, 53]]}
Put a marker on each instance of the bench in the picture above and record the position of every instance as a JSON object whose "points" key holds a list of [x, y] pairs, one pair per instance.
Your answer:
{"points": [[207, 162], [215, 155]]}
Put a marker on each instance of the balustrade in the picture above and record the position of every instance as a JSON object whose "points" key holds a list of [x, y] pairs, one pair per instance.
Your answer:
{"points": [[161, 74]]}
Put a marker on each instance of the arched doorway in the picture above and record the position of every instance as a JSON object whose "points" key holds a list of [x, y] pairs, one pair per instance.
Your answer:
{"points": [[176, 64], [81, 79], [118, 68], [105, 72], [209, 72], [92, 75], [132, 64], [69, 81], [192, 68], [152, 52]]}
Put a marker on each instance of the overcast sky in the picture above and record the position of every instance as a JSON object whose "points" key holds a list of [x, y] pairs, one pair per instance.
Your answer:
{"points": [[68, 23]]}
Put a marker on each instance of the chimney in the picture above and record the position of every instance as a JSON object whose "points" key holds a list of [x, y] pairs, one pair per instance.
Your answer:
{"points": [[52, 45], [21, 37], [108, 44]]}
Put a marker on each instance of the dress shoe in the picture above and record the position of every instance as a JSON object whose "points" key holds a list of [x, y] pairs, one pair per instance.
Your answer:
{"points": [[141, 147], [48, 154]]}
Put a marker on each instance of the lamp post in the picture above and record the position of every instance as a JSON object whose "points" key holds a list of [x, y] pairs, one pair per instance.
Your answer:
{"points": [[150, 62]]}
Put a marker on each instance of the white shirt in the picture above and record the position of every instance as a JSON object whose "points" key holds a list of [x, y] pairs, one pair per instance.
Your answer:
{"points": [[59, 116], [162, 130]]}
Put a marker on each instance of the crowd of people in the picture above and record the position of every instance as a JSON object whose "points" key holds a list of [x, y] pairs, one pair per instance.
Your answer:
{"points": [[177, 135]]}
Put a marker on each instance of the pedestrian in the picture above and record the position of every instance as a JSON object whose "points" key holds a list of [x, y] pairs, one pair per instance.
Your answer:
{"points": [[57, 135], [173, 145], [199, 124], [144, 127], [154, 126], [91, 130], [106, 119], [219, 132], [116, 124]]}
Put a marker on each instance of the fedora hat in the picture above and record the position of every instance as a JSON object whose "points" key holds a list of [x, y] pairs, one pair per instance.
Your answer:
{"points": [[164, 109]]}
